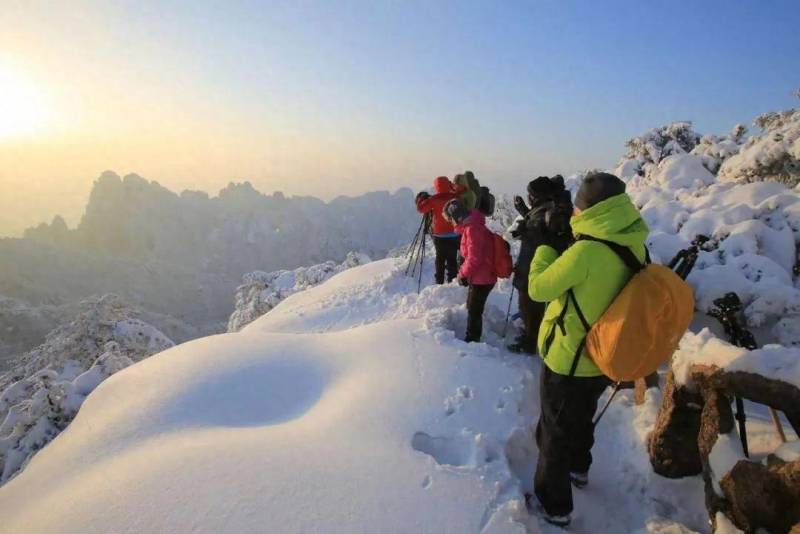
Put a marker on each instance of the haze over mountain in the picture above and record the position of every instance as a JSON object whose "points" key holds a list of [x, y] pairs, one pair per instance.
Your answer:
{"points": [[181, 256]]}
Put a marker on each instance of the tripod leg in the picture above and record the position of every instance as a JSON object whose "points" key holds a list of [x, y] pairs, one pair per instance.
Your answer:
{"points": [[741, 418], [777, 422], [421, 263]]}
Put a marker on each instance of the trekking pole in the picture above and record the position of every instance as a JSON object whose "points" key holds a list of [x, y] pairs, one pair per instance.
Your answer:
{"points": [[607, 404], [508, 312]]}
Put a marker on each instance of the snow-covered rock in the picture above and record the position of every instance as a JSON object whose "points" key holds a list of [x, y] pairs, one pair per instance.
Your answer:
{"points": [[772, 361]]}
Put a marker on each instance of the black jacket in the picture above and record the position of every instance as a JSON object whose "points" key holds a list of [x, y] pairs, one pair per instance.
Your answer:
{"points": [[532, 231]]}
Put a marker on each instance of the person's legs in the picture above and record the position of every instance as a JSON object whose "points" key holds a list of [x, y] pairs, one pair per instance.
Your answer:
{"points": [[528, 310], [551, 482], [565, 436], [451, 257], [441, 252], [476, 301], [580, 446]]}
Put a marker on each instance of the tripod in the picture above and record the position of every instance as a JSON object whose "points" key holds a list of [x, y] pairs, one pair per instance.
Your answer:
{"points": [[416, 250], [726, 310], [684, 260]]}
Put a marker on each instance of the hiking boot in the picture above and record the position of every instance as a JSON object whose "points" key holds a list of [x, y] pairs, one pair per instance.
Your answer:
{"points": [[579, 480], [520, 348], [535, 507]]}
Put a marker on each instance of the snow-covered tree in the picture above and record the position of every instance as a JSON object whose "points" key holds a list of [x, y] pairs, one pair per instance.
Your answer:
{"points": [[649, 149], [772, 155], [41, 396], [260, 291], [714, 150]]}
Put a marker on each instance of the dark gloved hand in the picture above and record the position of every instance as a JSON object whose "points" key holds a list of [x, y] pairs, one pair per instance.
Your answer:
{"points": [[518, 229], [422, 195], [519, 204], [463, 281]]}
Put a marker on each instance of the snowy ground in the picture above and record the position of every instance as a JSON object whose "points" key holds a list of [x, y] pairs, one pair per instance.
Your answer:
{"points": [[350, 407]]}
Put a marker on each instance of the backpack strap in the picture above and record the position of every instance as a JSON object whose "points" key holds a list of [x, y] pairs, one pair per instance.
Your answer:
{"points": [[625, 253], [586, 326]]}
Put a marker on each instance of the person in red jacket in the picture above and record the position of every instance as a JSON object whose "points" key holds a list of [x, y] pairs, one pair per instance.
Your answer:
{"points": [[477, 271], [445, 239]]}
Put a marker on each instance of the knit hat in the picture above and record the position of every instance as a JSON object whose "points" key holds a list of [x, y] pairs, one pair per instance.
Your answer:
{"points": [[541, 188], [455, 212], [558, 181], [597, 188]]}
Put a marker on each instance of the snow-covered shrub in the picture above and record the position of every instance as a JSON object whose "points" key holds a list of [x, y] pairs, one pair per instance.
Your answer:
{"points": [[715, 150], [773, 155], [40, 397], [260, 291], [649, 149]]}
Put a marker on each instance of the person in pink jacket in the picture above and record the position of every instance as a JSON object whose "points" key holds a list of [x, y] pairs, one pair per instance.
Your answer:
{"points": [[477, 271]]}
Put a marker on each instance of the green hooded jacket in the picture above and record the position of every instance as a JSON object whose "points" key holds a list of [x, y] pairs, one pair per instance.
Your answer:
{"points": [[594, 272], [467, 195]]}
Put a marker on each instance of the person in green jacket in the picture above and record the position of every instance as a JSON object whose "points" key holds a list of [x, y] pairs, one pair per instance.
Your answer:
{"points": [[571, 384]]}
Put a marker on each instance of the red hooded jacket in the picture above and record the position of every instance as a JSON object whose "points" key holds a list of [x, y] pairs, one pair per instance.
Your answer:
{"points": [[477, 247], [445, 192]]}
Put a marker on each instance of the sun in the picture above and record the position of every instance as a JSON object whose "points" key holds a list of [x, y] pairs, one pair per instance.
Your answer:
{"points": [[23, 111]]}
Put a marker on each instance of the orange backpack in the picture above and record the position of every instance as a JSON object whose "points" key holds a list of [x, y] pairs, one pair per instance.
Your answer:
{"points": [[503, 264], [642, 327]]}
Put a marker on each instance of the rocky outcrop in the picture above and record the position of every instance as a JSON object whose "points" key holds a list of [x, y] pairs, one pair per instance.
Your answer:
{"points": [[673, 442], [695, 433], [746, 486]]}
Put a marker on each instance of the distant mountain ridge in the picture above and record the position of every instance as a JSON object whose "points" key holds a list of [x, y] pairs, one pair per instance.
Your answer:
{"points": [[182, 255]]}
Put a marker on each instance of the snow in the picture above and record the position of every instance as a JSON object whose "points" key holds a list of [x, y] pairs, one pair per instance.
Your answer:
{"points": [[724, 525], [771, 361], [351, 406], [260, 291]]}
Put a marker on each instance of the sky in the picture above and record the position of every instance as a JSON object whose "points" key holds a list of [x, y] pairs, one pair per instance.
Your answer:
{"points": [[334, 97]]}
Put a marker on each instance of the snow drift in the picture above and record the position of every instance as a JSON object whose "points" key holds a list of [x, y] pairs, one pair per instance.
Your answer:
{"points": [[349, 407]]}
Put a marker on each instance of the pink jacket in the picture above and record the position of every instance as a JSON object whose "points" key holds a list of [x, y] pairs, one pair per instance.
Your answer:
{"points": [[477, 247]]}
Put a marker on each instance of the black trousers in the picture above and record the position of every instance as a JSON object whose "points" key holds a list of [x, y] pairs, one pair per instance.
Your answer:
{"points": [[565, 435], [476, 301], [446, 253], [532, 314]]}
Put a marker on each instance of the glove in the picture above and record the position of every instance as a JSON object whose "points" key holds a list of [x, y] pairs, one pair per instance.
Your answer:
{"points": [[520, 205], [463, 281], [518, 229], [422, 195]]}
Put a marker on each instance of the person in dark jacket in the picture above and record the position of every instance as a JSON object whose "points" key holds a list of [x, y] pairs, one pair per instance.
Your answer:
{"points": [[445, 239], [548, 199]]}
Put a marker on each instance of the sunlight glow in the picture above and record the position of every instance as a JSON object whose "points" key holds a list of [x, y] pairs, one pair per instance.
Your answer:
{"points": [[22, 106]]}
